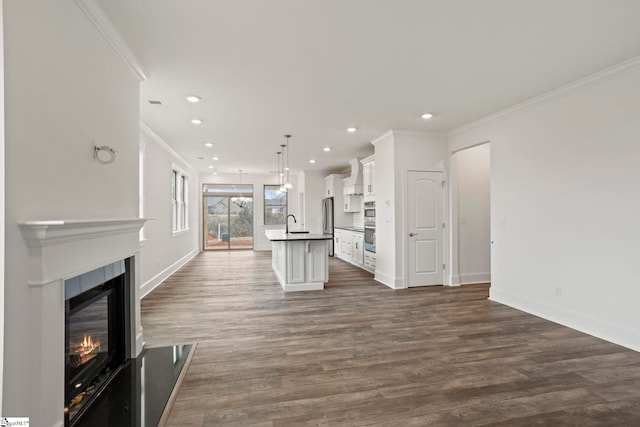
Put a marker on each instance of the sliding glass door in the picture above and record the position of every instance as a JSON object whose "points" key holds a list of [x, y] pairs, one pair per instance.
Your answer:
{"points": [[228, 217]]}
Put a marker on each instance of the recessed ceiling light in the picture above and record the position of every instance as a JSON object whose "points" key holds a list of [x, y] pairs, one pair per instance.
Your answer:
{"points": [[210, 166], [193, 98], [208, 144], [351, 130], [312, 161], [215, 158], [327, 148], [427, 116], [286, 168], [196, 121]]}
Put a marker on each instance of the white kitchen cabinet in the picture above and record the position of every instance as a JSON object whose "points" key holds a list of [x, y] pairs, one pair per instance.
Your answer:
{"points": [[352, 203], [333, 185], [368, 174], [370, 261], [357, 250], [351, 246], [337, 242], [346, 246]]}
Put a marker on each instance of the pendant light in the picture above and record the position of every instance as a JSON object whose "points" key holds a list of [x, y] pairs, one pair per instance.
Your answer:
{"points": [[240, 194], [281, 174], [279, 190], [288, 184]]}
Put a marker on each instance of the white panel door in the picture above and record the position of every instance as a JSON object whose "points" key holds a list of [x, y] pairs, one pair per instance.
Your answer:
{"points": [[425, 228]]}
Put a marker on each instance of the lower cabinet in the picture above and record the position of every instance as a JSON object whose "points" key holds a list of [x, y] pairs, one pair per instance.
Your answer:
{"points": [[357, 254], [369, 261], [337, 243], [349, 246]]}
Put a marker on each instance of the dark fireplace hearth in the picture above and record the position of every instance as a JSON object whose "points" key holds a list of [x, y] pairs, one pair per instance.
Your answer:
{"points": [[95, 334]]}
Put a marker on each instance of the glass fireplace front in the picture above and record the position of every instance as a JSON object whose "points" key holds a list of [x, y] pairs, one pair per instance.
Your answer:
{"points": [[94, 342]]}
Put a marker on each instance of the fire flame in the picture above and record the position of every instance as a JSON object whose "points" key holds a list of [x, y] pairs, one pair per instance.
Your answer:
{"points": [[88, 348]]}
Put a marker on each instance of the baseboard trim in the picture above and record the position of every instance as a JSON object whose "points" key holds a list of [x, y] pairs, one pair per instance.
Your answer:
{"points": [[587, 324], [391, 282], [156, 280], [454, 280], [471, 278]]}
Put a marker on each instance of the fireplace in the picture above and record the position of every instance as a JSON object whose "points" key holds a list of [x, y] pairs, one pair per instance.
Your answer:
{"points": [[59, 252], [95, 335]]}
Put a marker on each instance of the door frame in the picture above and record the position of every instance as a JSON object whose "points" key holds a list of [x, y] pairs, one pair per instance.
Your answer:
{"points": [[453, 235], [405, 222], [204, 225]]}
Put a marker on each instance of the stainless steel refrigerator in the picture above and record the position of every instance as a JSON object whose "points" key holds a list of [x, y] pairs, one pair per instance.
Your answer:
{"points": [[327, 220]]}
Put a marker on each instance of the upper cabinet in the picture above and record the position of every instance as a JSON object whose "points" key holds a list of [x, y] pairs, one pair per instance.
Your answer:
{"points": [[368, 173], [333, 185], [352, 203]]}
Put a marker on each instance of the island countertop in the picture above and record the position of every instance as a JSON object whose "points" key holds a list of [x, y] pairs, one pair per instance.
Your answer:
{"points": [[281, 236], [351, 228]]}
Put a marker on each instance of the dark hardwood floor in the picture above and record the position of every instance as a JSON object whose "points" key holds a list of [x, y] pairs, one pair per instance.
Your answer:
{"points": [[359, 354]]}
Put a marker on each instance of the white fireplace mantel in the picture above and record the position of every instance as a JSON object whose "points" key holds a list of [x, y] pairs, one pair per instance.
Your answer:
{"points": [[46, 233], [61, 250]]}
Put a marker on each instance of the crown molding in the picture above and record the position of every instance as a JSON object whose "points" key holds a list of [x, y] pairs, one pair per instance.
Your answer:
{"points": [[103, 24], [595, 79], [411, 132], [407, 132], [381, 137], [161, 142]]}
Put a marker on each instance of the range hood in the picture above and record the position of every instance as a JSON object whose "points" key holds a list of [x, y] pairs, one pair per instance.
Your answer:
{"points": [[353, 183]]}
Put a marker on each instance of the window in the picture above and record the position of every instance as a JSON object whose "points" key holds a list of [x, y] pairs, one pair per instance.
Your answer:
{"points": [[179, 200], [275, 205]]}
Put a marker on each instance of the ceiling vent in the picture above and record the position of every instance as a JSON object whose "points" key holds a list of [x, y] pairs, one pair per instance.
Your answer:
{"points": [[157, 104]]}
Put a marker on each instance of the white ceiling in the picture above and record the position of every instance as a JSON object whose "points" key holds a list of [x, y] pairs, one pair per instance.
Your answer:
{"points": [[312, 68]]}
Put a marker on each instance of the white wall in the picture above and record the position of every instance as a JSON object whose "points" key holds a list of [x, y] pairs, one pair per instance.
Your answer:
{"points": [[565, 206], [2, 169], [163, 252], [398, 152], [64, 87], [473, 168], [260, 241], [312, 184]]}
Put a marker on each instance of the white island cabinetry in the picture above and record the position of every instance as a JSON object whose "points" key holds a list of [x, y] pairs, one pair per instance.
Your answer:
{"points": [[300, 261]]}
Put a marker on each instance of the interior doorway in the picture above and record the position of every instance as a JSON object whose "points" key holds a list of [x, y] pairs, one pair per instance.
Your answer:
{"points": [[471, 215], [228, 216]]}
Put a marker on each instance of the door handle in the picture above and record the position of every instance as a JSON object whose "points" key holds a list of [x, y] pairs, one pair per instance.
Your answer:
{"points": [[413, 234]]}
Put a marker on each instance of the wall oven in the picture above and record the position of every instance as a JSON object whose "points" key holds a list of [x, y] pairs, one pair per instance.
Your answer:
{"points": [[370, 238], [370, 212]]}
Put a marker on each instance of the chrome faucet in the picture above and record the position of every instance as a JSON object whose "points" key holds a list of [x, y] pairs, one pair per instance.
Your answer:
{"points": [[287, 222]]}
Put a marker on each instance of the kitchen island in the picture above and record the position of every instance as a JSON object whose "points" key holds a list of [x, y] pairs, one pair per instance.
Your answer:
{"points": [[300, 260]]}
